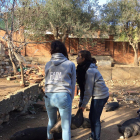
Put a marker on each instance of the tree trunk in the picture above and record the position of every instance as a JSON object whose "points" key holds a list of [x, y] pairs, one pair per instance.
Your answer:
{"points": [[10, 55], [64, 38], [20, 60], [65, 35], [135, 55], [22, 75], [55, 31], [25, 50], [135, 48]]}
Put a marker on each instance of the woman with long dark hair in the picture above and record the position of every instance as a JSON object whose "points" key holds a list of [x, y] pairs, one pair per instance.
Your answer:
{"points": [[91, 85], [60, 79]]}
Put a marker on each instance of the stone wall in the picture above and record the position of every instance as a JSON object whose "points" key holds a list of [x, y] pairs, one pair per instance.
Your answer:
{"points": [[120, 73], [5, 66], [19, 101], [106, 72], [5, 63]]}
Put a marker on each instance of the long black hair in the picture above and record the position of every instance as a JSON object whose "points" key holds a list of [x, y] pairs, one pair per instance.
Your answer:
{"points": [[86, 54], [94, 60], [58, 47]]}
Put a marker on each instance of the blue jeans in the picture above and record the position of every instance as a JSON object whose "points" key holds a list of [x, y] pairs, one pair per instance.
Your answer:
{"points": [[62, 102], [96, 108]]}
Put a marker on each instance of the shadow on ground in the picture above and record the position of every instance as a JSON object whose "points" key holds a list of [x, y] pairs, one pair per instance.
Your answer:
{"points": [[109, 126]]}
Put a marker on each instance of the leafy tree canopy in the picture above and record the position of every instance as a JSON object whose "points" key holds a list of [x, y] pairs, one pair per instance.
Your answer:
{"points": [[62, 17], [122, 18]]}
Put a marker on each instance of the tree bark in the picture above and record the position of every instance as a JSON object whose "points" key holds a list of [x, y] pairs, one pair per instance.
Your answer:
{"points": [[64, 38], [65, 35], [22, 75], [55, 31], [10, 38], [135, 56], [135, 48], [10, 55]]}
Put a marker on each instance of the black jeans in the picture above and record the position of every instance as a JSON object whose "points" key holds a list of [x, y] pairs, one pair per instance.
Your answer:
{"points": [[96, 108]]}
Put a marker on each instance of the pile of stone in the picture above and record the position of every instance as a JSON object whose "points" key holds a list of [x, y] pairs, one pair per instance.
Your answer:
{"points": [[31, 75], [130, 99], [5, 66], [34, 75]]}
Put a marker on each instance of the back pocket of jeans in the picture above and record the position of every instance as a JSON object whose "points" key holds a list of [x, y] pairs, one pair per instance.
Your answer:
{"points": [[63, 102]]}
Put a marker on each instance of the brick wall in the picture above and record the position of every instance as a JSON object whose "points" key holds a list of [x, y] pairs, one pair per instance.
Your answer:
{"points": [[99, 49], [122, 52], [96, 46]]}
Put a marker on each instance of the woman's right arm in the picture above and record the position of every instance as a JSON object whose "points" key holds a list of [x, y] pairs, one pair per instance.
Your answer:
{"points": [[47, 68], [89, 85], [73, 80]]}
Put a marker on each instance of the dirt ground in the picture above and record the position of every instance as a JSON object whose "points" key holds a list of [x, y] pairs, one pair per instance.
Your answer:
{"points": [[7, 87], [110, 119]]}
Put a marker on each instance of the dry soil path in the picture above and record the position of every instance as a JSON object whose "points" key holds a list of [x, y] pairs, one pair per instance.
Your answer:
{"points": [[109, 126]]}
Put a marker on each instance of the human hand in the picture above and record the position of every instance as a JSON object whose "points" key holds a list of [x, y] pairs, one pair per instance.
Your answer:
{"points": [[83, 108]]}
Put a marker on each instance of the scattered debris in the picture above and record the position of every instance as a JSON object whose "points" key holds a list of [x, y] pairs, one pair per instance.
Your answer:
{"points": [[31, 110], [121, 137], [5, 66], [30, 117], [31, 75], [11, 78], [77, 97], [74, 107]]}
